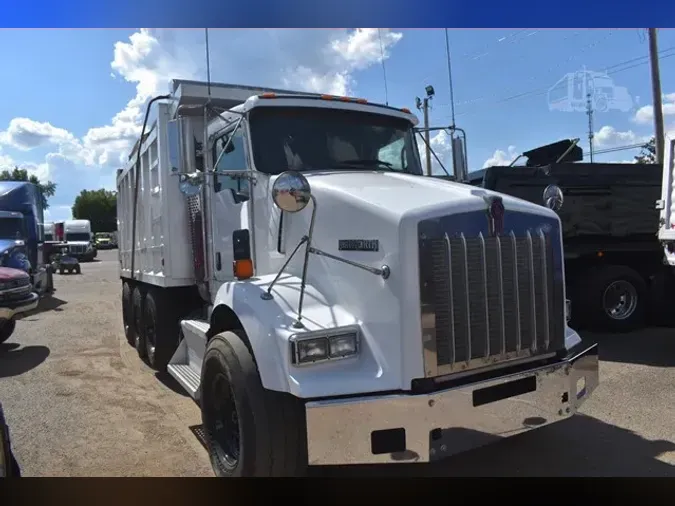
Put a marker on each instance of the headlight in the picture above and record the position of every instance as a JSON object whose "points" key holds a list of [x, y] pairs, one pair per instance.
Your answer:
{"points": [[308, 348]]}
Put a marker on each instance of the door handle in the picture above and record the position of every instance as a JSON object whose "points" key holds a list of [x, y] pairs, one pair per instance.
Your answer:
{"points": [[219, 264]]}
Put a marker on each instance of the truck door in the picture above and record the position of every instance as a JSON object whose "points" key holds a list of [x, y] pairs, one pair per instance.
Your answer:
{"points": [[229, 201]]}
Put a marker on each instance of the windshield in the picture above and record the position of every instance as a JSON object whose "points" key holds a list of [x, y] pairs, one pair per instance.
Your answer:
{"points": [[11, 228], [78, 236], [304, 138]]}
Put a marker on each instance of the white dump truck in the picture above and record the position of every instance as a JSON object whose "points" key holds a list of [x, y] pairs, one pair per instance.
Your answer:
{"points": [[284, 259]]}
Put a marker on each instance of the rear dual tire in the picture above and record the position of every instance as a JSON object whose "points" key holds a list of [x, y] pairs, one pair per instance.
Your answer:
{"points": [[151, 324]]}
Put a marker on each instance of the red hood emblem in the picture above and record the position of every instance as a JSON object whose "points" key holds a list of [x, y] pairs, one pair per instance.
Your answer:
{"points": [[495, 213]]}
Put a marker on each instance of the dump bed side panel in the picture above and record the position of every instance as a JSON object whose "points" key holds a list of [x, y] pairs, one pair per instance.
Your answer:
{"points": [[602, 201], [163, 255]]}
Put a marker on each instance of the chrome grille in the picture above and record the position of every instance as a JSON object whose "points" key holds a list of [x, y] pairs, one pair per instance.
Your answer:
{"points": [[77, 249], [489, 299]]}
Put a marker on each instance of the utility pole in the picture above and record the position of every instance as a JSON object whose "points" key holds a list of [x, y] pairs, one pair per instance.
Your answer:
{"points": [[656, 92], [589, 113], [424, 106]]}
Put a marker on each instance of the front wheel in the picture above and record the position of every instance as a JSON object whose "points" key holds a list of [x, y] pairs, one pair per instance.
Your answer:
{"points": [[7, 328], [78, 270], [250, 431], [615, 299]]}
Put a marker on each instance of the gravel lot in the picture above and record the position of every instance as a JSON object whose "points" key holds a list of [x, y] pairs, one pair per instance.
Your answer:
{"points": [[81, 403]]}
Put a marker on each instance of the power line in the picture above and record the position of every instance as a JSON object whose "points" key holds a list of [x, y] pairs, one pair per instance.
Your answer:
{"points": [[474, 53], [543, 91], [616, 149], [557, 66]]}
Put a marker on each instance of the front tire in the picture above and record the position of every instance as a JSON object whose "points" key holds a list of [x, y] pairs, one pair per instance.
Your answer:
{"points": [[250, 431], [78, 269], [7, 329]]}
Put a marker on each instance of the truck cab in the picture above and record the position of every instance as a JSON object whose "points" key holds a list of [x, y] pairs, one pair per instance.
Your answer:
{"points": [[284, 259], [79, 238]]}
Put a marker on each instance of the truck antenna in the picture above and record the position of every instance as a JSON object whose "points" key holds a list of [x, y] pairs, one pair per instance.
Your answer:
{"points": [[452, 94], [208, 62], [384, 68]]}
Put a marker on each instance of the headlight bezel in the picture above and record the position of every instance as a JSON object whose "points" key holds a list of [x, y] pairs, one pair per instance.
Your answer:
{"points": [[328, 337]]}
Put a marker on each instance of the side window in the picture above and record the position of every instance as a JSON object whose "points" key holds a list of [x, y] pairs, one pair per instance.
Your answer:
{"points": [[395, 154], [233, 159]]}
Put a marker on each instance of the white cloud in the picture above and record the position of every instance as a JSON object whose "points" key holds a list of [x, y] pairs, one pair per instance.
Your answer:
{"points": [[608, 137], [441, 144], [26, 134], [500, 157], [645, 115], [313, 60]]}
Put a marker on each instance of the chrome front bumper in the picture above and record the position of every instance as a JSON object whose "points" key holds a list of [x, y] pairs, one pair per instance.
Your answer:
{"points": [[423, 428], [10, 309]]}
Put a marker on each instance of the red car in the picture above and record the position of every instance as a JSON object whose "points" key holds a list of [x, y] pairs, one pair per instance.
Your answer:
{"points": [[16, 298]]}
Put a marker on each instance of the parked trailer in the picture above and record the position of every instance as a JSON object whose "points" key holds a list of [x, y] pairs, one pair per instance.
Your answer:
{"points": [[325, 305]]}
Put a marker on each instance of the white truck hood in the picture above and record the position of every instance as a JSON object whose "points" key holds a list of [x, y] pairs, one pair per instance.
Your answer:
{"points": [[402, 194]]}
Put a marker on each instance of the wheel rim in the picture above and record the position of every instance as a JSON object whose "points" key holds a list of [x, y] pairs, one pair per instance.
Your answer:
{"points": [[224, 421], [620, 300]]}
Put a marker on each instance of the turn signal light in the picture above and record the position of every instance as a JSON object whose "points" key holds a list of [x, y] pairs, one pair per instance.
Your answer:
{"points": [[243, 269]]}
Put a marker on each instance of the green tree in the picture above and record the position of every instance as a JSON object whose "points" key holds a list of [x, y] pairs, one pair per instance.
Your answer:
{"points": [[47, 189], [99, 207], [647, 153]]}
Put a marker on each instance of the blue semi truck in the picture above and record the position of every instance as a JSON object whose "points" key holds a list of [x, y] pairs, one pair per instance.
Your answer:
{"points": [[22, 241]]}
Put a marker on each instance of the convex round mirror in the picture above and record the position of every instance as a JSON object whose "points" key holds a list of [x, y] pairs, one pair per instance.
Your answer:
{"points": [[291, 192], [190, 184], [553, 197]]}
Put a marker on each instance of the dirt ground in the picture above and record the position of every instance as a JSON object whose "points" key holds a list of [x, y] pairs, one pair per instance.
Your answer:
{"points": [[81, 403]]}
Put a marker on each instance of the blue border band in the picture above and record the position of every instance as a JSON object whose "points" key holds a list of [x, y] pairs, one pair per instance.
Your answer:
{"points": [[333, 14]]}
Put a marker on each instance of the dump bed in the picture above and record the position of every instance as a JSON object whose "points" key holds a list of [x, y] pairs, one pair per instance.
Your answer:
{"points": [[604, 202], [163, 254]]}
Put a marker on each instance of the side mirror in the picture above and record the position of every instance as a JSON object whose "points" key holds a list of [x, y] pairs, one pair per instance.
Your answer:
{"points": [[175, 131], [291, 192], [190, 184], [553, 197]]}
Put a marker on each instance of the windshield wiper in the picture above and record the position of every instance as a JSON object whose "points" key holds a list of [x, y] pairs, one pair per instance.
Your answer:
{"points": [[366, 163]]}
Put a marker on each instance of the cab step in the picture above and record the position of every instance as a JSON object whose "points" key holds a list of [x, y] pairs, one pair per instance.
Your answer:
{"points": [[186, 364]]}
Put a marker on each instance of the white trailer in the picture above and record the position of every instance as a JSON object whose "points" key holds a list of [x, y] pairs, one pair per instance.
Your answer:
{"points": [[283, 258], [79, 237]]}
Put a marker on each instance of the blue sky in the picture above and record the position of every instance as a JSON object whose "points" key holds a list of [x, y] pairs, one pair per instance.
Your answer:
{"points": [[75, 101]]}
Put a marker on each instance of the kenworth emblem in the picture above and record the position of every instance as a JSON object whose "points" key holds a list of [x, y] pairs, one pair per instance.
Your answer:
{"points": [[495, 214]]}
